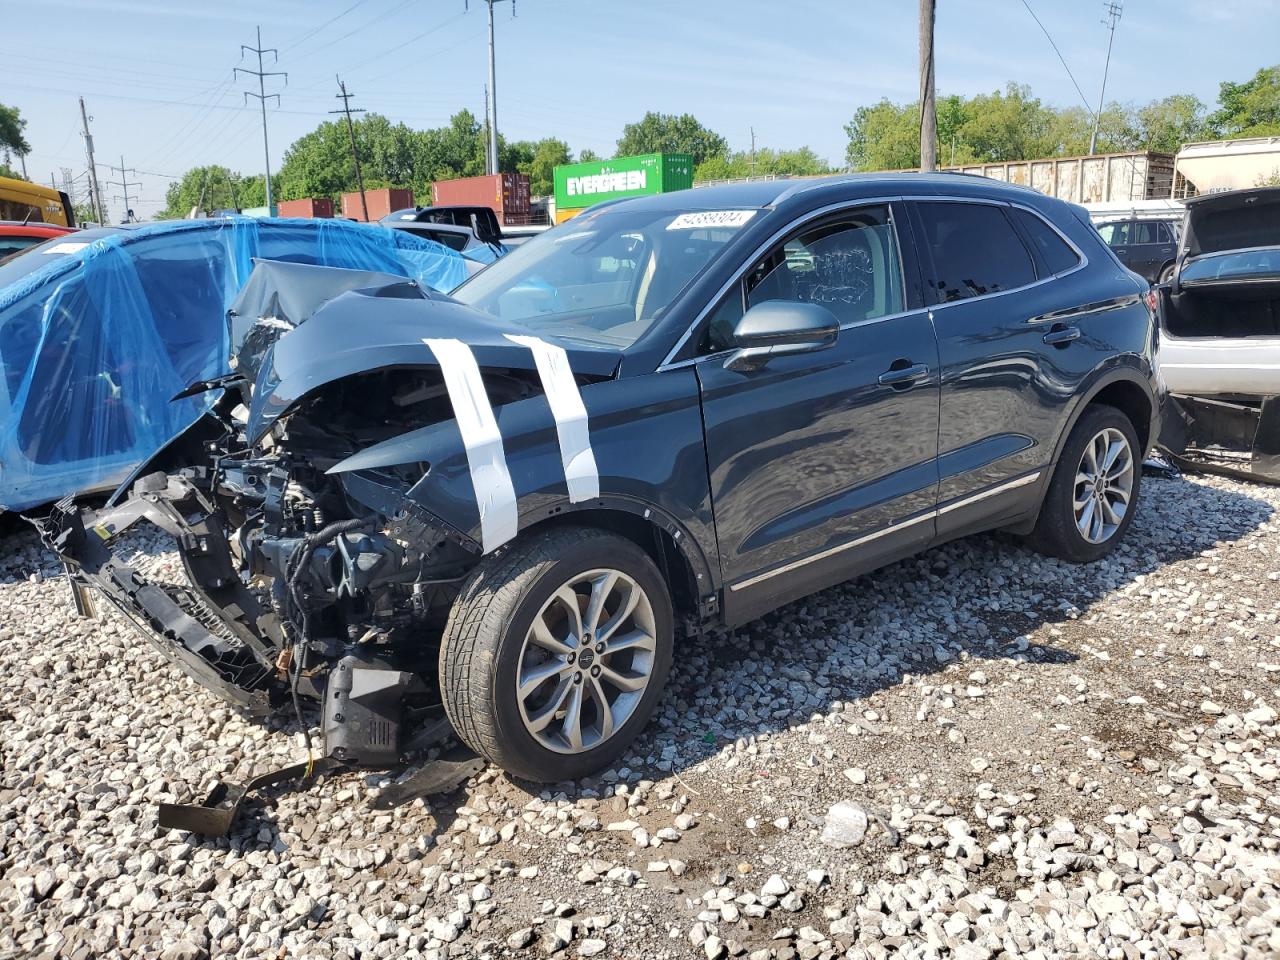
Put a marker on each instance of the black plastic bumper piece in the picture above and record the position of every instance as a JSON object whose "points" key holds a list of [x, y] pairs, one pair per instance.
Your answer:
{"points": [[214, 817]]}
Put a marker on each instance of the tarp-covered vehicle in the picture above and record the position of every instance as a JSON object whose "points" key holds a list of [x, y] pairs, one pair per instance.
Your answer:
{"points": [[100, 329], [1220, 336]]}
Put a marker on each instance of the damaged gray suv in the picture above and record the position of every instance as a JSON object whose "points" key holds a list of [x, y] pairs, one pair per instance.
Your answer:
{"points": [[503, 508]]}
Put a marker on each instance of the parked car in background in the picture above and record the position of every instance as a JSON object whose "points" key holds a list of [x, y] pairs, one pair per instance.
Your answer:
{"points": [[472, 231], [684, 408], [1146, 245], [100, 329], [15, 237], [1220, 335]]}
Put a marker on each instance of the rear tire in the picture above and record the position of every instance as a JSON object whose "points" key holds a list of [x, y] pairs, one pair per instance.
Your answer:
{"points": [[1166, 273], [1093, 494], [545, 692]]}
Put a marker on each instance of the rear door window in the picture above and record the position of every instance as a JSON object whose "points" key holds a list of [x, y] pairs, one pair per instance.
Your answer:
{"points": [[974, 248], [1115, 234]]}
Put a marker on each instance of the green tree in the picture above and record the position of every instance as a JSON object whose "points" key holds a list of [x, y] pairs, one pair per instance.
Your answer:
{"points": [[538, 160], [668, 133], [1164, 125], [799, 162], [1249, 109], [11, 127], [588, 155], [8, 171], [210, 188], [885, 136]]}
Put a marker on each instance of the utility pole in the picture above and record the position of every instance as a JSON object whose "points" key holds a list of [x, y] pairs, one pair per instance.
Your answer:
{"points": [[22, 159], [753, 151], [95, 195], [487, 154], [262, 97], [928, 110], [351, 131], [492, 111], [1113, 9], [124, 184]]}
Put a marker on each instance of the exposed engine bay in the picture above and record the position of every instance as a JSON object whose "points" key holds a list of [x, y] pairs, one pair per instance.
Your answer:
{"points": [[306, 584]]}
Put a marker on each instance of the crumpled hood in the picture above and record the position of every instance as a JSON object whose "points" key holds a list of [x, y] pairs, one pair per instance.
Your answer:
{"points": [[368, 330]]}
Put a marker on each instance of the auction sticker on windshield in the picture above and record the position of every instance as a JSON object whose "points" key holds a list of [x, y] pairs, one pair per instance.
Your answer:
{"points": [[711, 218]]}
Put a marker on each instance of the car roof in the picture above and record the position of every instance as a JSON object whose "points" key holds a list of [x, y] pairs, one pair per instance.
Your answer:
{"points": [[772, 193]]}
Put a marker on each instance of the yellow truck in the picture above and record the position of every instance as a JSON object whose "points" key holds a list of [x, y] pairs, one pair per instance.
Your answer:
{"points": [[29, 202]]}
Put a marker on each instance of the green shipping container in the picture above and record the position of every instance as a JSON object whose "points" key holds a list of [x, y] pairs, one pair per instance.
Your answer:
{"points": [[580, 185]]}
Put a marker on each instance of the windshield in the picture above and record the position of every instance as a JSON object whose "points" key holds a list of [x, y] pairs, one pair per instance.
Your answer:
{"points": [[1260, 263], [603, 278]]}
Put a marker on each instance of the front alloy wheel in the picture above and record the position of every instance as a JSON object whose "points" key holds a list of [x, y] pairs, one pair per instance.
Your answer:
{"points": [[587, 660], [556, 652], [1104, 485]]}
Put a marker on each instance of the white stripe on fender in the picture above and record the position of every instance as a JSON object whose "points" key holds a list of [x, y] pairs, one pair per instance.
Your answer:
{"points": [[495, 496], [580, 472]]}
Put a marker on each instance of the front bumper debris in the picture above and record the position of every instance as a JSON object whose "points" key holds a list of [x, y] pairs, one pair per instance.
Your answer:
{"points": [[188, 626]]}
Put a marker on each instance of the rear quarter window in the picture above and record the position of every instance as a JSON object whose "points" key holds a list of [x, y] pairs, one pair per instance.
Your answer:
{"points": [[1054, 252]]}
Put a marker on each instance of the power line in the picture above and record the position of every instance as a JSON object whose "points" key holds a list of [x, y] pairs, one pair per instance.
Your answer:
{"points": [[262, 97], [1048, 36], [314, 30], [351, 131]]}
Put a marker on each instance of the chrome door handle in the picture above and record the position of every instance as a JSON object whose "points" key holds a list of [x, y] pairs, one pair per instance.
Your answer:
{"points": [[1061, 335], [897, 376]]}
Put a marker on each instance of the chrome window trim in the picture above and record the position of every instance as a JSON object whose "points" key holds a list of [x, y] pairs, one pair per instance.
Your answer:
{"points": [[1015, 483], [762, 248]]}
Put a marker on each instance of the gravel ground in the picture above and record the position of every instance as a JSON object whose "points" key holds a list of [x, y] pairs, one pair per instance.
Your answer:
{"points": [[974, 753]]}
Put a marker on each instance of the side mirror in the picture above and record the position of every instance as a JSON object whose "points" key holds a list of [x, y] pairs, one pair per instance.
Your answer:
{"points": [[778, 328]]}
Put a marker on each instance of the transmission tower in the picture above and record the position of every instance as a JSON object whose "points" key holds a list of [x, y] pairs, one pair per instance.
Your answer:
{"points": [[124, 184], [262, 97], [1111, 16]]}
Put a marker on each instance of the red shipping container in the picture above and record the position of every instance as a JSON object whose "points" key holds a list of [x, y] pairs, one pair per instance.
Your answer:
{"points": [[506, 194], [380, 202], [315, 207]]}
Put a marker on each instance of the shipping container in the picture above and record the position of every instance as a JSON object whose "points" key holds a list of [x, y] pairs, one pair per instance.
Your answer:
{"points": [[1104, 178], [313, 207], [259, 211], [506, 194], [380, 202], [579, 185]]}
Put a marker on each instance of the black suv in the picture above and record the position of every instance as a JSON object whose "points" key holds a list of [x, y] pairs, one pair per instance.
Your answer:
{"points": [[1148, 246], [684, 409]]}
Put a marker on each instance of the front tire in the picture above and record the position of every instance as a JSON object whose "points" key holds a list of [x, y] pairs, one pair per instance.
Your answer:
{"points": [[1094, 491], [556, 652]]}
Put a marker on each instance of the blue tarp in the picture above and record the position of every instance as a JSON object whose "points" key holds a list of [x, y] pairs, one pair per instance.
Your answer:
{"points": [[95, 343]]}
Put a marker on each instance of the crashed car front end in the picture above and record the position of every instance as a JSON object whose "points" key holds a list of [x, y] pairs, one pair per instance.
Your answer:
{"points": [[307, 510]]}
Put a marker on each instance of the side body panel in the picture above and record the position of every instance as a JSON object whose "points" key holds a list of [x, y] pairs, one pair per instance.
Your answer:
{"points": [[1008, 394], [811, 454], [646, 436]]}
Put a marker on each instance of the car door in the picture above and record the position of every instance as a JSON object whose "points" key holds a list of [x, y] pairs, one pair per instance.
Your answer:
{"points": [[1145, 256], [1006, 375], [823, 464]]}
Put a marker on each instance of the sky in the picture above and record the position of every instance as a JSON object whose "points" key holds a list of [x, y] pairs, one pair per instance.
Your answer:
{"points": [[157, 75]]}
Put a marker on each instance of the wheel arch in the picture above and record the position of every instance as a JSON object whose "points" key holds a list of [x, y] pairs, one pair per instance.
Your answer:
{"points": [[675, 553]]}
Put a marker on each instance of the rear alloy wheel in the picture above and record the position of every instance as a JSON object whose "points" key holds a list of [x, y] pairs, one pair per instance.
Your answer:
{"points": [[1103, 485], [1094, 491], [556, 653]]}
